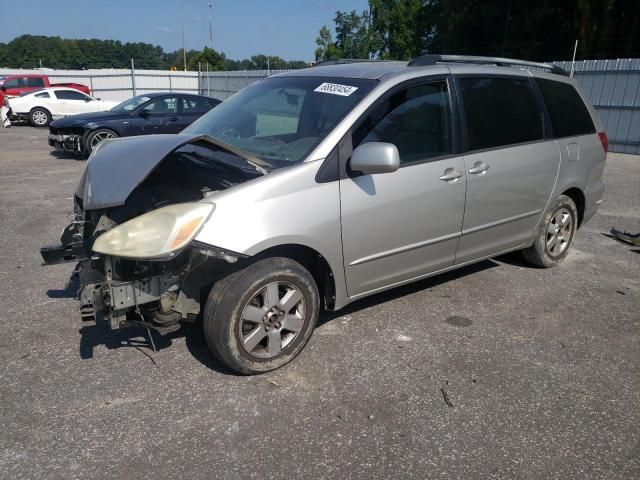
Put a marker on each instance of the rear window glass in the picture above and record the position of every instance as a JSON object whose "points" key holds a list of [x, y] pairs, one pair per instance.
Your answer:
{"points": [[569, 114], [500, 111], [42, 95]]}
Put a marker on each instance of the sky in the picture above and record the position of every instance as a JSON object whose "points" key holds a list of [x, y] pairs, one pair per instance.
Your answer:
{"points": [[241, 28]]}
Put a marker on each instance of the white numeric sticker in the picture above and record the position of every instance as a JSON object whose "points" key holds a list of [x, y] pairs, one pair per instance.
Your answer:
{"points": [[336, 89]]}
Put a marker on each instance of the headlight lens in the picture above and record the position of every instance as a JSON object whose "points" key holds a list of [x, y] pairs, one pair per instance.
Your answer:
{"points": [[156, 234]]}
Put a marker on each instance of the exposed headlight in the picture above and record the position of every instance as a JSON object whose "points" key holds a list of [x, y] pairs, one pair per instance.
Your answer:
{"points": [[157, 234]]}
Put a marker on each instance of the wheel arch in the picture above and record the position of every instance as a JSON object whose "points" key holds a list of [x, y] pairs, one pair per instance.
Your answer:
{"points": [[40, 107], [313, 261], [578, 197]]}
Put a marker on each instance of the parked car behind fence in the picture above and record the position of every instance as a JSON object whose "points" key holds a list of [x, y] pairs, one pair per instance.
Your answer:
{"points": [[146, 114]]}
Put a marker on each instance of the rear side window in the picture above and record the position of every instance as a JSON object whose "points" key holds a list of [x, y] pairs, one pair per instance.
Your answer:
{"points": [[35, 82], [500, 111], [569, 114], [417, 120], [195, 105]]}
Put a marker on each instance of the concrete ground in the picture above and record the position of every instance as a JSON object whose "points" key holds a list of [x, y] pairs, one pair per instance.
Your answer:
{"points": [[497, 371]]}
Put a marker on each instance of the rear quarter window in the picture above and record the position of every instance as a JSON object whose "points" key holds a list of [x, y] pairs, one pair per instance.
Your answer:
{"points": [[569, 115], [500, 111]]}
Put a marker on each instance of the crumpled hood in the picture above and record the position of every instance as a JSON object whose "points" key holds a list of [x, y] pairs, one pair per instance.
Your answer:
{"points": [[120, 165]]}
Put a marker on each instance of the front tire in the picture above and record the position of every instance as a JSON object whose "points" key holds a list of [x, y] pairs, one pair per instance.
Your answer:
{"points": [[555, 234], [39, 117], [260, 318], [97, 136]]}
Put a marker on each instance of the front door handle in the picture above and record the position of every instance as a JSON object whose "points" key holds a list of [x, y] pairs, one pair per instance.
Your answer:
{"points": [[479, 168], [451, 174], [173, 119]]}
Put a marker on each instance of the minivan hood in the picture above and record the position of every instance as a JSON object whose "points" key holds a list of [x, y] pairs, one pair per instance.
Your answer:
{"points": [[118, 166]]}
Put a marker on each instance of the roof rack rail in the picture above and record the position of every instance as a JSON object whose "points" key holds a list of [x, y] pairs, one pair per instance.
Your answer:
{"points": [[426, 60], [341, 61]]}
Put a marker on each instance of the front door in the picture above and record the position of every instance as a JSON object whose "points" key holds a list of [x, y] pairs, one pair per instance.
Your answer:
{"points": [[511, 169], [402, 225], [159, 115]]}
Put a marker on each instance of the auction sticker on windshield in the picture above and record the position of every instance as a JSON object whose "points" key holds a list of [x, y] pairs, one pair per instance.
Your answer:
{"points": [[336, 89]]}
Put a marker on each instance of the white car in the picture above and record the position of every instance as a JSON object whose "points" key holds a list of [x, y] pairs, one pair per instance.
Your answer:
{"points": [[42, 106]]}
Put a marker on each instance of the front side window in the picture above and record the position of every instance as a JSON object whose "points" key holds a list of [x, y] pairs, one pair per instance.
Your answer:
{"points": [[71, 95], [16, 83], [569, 115], [417, 120], [35, 82], [131, 104], [162, 105], [282, 119], [500, 111]]}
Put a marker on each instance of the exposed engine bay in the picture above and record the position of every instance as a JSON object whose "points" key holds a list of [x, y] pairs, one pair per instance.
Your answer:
{"points": [[158, 294]]}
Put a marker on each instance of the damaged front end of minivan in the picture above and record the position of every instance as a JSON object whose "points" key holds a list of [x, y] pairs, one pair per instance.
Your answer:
{"points": [[138, 207]]}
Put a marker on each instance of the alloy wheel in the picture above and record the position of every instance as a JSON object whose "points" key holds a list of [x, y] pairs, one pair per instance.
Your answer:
{"points": [[99, 137], [559, 231], [39, 117], [272, 319]]}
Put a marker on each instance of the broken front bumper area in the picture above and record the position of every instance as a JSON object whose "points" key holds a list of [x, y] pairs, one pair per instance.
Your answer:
{"points": [[70, 143], [130, 303]]}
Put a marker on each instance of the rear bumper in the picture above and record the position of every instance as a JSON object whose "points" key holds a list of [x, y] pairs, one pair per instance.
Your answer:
{"points": [[593, 200]]}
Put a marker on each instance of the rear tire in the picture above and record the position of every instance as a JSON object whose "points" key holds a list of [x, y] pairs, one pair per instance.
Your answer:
{"points": [[39, 117], [259, 318], [555, 234], [97, 136]]}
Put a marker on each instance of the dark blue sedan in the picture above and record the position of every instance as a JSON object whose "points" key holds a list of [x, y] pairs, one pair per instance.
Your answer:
{"points": [[141, 115]]}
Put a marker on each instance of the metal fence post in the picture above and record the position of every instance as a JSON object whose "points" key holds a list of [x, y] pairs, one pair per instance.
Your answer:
{"points": [[170, 86], [133, 78], [91, 82], [208, 82]]}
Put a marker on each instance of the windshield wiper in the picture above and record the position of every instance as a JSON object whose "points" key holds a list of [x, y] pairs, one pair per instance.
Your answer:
{"points": [[259, 164]]}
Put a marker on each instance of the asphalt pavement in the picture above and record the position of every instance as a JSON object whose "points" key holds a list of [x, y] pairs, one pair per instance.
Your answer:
{"points": [[498, 370]]}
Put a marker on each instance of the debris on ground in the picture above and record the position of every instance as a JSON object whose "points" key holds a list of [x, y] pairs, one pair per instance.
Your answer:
{"points": [[626, 237], [446, 398]]}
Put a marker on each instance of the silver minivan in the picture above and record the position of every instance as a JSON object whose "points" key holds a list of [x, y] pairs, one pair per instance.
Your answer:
{"points": [[318, 187]]}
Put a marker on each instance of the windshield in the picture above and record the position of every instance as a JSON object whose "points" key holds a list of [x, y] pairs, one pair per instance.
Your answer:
{"points": [[282, 119], [130, 104]]}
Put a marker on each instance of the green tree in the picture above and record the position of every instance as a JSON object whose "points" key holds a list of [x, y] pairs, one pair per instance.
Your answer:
{"points": [[327, 49]]}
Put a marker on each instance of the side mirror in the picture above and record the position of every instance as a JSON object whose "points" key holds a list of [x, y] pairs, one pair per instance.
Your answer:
{"points": [[3, 88], [144, 113], [375, 157]]}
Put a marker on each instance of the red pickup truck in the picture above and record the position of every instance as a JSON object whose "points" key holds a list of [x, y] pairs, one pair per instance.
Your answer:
{"points": [[16, 85]]}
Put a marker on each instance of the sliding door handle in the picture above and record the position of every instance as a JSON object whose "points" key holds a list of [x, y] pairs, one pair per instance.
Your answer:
{"points": [[478, 168]]}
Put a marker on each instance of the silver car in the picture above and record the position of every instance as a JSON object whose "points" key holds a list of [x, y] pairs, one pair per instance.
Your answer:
{"points": [[318, 187]]}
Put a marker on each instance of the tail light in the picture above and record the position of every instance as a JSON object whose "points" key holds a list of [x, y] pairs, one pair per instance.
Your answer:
{"points": [[604, 140]]}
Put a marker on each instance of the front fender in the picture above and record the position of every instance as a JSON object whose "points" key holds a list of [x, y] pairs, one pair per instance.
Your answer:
{"points": [[282, 208]]}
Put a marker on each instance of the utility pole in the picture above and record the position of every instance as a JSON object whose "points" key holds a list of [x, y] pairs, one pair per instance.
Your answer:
{"points": [[210, 25], [184, 51]]}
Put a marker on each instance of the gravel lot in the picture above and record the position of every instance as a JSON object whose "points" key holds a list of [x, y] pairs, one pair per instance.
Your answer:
{"points": [[540, 367]]}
